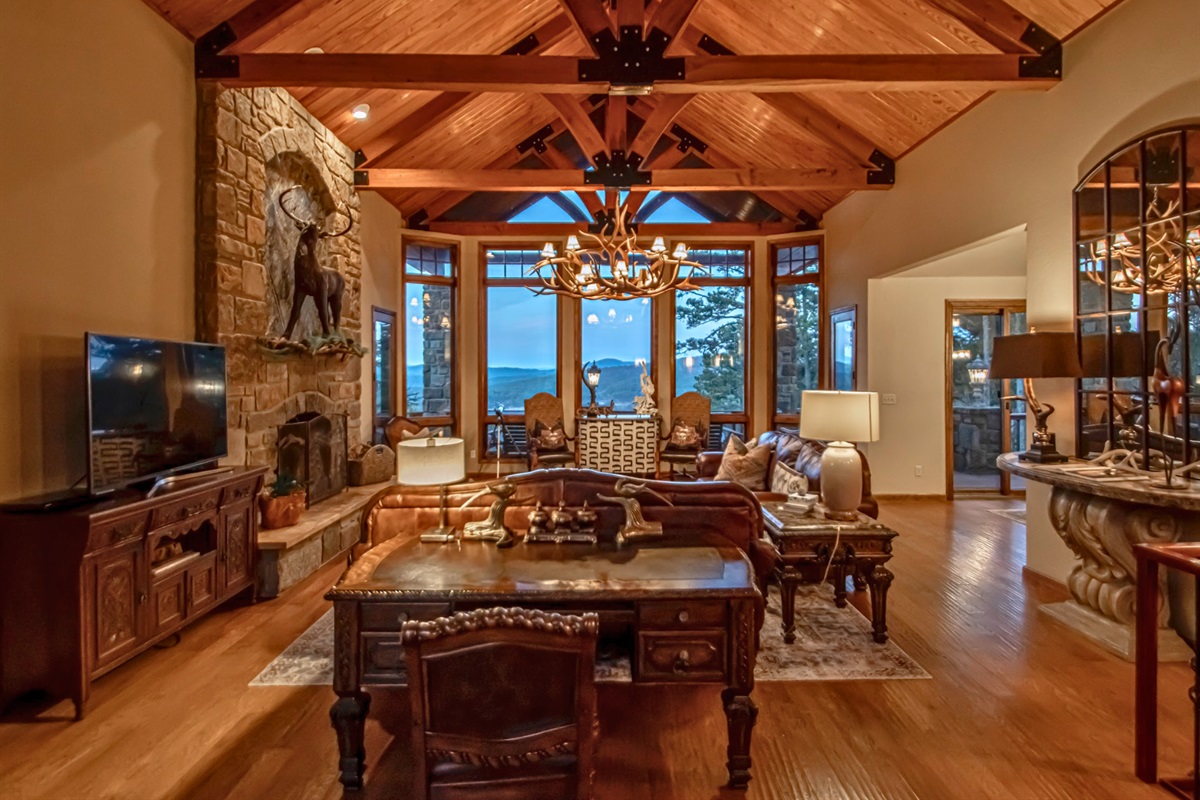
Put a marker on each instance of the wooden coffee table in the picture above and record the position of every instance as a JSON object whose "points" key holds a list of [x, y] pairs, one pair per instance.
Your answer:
{"points": [[811, 545]]}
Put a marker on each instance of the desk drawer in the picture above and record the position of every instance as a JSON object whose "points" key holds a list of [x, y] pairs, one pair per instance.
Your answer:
{"points": [[390, 616], [182, 509], [383, 660], [681, 656], [117, 532], [682, 614]]}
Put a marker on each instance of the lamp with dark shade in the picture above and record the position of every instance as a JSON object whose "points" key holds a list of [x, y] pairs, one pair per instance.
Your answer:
{"points": [[1032, 355], [1132, 357]]}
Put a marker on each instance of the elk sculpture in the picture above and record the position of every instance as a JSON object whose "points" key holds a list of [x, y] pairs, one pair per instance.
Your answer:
{"points": [[325, 286]]}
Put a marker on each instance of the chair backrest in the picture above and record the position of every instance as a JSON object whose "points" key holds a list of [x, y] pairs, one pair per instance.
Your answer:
{"points": [[503, 688], [397, 427], [694, 409], [542, 407]]}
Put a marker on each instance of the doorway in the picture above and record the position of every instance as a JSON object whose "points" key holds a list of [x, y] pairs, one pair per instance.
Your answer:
{"points": [[980, 423]]}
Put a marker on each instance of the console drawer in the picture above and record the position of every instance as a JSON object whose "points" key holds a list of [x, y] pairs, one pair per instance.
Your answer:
{"points": [[116, 532], [390, 616], [689, 614], [182, 509], [681, 655]]}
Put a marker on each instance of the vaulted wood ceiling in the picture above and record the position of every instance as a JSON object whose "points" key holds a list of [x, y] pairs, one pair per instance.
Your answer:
{"points": [[778, 140]]}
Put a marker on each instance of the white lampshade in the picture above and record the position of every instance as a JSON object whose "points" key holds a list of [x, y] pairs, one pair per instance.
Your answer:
{"points": [[840, 416], [430, 462]]}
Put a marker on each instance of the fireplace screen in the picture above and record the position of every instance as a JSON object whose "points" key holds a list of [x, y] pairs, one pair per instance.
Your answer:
{"points": [[312, 449]]}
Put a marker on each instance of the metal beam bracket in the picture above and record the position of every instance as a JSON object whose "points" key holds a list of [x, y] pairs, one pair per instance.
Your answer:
{"points": [[210, 64], [1045, 65], [362, 177], [1039, 38], [806, 221], [537, 141], [688, 140], [885, 169], [360, 158], [606, 219], [631, 61], [617, 171], [523, 47]]}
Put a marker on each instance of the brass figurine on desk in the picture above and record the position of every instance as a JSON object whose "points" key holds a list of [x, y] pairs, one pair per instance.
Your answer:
{"points": [[636, 527], [492, 528]]}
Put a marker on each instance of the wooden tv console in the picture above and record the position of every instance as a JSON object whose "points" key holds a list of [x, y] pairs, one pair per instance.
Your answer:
{"points": [[85, 589]]}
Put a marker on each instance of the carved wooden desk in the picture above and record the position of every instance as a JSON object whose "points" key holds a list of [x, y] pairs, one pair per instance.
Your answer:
{"points": [[686, 610], [809, 545]]}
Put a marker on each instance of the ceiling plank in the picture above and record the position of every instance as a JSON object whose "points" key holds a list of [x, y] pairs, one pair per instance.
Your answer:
{"points": [[446, 104], [567, 180], [998, 24], [259, 16], [579, 123], [671, 16], [565, 229], [590, 18], [560, 74]]}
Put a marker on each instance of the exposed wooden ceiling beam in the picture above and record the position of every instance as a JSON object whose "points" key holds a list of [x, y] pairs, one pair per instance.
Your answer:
{"points": [[998, 24], [444, 105], [578, 121], [560, 74], [260, 19], [657, 122], [616, 119], [671, 16], [630, 13], [540, 230], [566, 180], [589, 18]]}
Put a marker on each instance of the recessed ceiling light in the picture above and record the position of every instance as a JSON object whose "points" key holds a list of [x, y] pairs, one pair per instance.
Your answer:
{"points": [[360, 111], [314, 50]]}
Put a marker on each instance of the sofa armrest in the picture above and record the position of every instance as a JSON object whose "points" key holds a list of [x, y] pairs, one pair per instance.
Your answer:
{"points": [[708, 463]]}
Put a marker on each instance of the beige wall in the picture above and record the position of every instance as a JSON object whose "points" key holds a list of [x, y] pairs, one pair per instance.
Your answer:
{"points": [[379, 231], [910, 361], [96, 211], [1014, 160]]}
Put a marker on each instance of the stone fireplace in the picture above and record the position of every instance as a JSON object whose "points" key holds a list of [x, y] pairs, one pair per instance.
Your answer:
{"points": [[253, 145]]}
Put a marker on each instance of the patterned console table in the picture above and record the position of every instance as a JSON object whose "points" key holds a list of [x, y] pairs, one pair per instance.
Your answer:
{"points": [[620, 445]]}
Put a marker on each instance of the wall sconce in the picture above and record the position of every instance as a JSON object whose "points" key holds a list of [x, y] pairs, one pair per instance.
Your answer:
{"points": [[977, 371]]}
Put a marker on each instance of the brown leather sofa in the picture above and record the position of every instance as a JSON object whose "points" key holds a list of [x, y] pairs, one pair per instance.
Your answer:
{"points": [[803, 455], [729, 511]]}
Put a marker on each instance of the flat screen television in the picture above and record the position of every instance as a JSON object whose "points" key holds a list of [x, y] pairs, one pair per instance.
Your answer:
{"points": [[154, 407]]}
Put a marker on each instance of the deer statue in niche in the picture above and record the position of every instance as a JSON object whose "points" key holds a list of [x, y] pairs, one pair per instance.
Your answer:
{"points": [[325, 286]]}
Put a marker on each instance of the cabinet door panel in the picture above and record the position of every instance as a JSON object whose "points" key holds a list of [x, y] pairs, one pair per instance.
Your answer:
{"points": [[238, 545], [167, 603], [201, 583], [119, 600]]}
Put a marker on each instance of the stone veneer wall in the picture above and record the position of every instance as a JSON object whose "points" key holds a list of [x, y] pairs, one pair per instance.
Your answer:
{"points": [[252, 144]]}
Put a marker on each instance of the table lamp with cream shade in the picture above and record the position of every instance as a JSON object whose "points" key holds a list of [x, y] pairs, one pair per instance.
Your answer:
{"points": [[433, 461], [840, 418]]}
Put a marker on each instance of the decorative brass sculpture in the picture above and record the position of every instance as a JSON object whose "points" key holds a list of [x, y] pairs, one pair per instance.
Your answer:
{"points": [[636, 527], [492, 528]]}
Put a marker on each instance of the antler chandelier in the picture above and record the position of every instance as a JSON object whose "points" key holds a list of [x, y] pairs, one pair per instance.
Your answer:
{"points": [[615, 267], [1166, 261]]}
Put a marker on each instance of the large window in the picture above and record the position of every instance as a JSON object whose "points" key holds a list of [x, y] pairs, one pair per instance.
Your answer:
{"points": [[796, 287], [710, 336], [519, 344], [618, 336], [430, 275], [383, 362]]}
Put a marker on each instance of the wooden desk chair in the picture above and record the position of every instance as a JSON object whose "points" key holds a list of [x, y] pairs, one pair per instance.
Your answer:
{"points": [[692, 409], [547, 410], [503, 705]]}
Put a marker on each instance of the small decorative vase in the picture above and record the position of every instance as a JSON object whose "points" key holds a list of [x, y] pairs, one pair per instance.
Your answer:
{"points": [[538, 518], [585, 519], [280, 512], [561, 519]]}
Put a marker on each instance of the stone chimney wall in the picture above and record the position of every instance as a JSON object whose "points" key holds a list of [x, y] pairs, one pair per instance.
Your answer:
{"points": [[252, 145]]}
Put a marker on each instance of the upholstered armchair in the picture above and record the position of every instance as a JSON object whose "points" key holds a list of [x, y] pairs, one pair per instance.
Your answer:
{"points": [[547, 442], [687, 433]]}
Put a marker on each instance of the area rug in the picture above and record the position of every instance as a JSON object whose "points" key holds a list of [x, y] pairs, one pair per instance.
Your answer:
{"points": [[1015, 514], [832, 644]]}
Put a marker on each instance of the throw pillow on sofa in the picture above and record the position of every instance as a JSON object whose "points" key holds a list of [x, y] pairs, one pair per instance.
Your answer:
{"points": [[785, 480], [744, 464]]}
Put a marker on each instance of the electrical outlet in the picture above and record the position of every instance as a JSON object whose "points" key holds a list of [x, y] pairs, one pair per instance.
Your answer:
{"points": [[474, 453], [888, 399], [917, 470]]}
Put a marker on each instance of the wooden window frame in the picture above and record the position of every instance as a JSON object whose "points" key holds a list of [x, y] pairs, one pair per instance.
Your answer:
{"points": [[777, 280], [380, 314], [517, 418], [655, 306], [845, 312], [451, 420], [747, 284]]}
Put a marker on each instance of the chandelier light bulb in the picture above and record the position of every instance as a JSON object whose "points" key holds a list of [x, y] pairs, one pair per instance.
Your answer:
{"points": [[592, 319], [572, 242], [659, 246], [548, 251], [681, 251], [612, 313]]}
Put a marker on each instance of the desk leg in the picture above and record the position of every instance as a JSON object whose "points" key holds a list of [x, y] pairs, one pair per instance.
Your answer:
{"points": [[788, 580], [839, 570], [880, 579], [740, 710], [349, 715]]}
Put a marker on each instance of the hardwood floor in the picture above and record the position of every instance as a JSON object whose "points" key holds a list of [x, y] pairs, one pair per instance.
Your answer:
{"points": [[1018, 707]]}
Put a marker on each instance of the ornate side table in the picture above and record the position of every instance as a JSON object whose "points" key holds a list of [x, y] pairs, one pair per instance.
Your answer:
{"points": [[811, 546]]}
